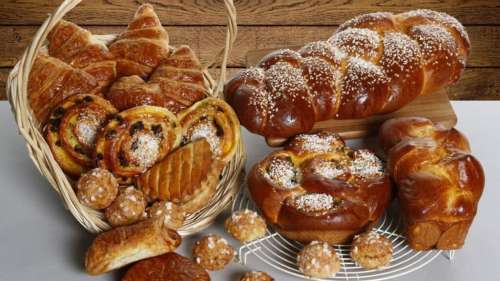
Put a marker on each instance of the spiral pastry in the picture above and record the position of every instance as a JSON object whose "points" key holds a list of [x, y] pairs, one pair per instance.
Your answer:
{"points": [[72, 128], [214, 120], [135, 139]]}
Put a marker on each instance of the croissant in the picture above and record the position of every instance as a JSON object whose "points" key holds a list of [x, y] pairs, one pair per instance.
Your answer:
{"points": [[72, 129], [187, 177], [51, 81], [176, 84], [142, 46], [439, 182], [74, 45], [135, 139], [317, 188], [375, 63]]}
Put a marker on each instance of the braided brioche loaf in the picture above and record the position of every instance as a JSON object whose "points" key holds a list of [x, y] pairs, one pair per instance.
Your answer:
{"points": [[439, 182], [374, 63]]}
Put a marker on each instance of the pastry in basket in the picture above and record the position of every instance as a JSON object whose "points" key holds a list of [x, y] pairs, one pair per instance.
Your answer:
{"points": [[175, 84], [371, 250], [256, 276], [75, 46], [135, 139], [213, 252], [172, 214], [51, 81], [140, 48], [97, 188], [214, 120], [124, 245], [188, 177], [318, 260], [439, 181], [167, 267], [246, 225], [375, 63], [127, 208], [72, 128], [317, 188]]}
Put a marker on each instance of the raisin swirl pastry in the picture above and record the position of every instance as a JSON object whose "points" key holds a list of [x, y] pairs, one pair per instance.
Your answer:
{"points": [[214, 120], [72, 128], [317, 188], [135, 139]]}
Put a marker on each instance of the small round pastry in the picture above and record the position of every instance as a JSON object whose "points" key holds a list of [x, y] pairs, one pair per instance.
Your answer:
{"points": [[128, 207], [173, 215], [319, 260], [245, 225], [371, 250], [213, 252], [97, 188], [256, 276]]}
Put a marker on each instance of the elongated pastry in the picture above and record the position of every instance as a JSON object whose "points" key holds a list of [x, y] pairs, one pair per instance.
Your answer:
{"points": [[135, 139], [126, 244], [142, 46], [72, 129], [214, 120], [51, 81], [187, 177], [75, 46], [175, 84]]}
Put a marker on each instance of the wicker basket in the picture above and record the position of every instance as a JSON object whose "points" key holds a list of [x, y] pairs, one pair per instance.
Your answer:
{"points": [[41, 155]]}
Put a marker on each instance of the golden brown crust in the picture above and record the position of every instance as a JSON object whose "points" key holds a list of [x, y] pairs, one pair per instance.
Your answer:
{"points": [[73, 45], [126, 244], [187, 177], [127, 208], [440, 182], [319, 189], [135, 139], [142, 46], [132, 91], [173, 215], [371, 250], [51, 81], [167, 267], [72, 128], [246, 225], [319, 260], [256, 276], [213, 252], [373, 64], [97, 188]]}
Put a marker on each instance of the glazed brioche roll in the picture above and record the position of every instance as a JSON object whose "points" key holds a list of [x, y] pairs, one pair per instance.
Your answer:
{"points": [[72, 128], [214, 120], [135, 139]]}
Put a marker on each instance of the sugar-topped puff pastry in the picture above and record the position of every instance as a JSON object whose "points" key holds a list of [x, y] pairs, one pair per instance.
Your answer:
{"points": [[319, 260], [371, 250], [172, 214], [246, 225], [213, 252], [128, 207], [97, 188], [256, 276]]}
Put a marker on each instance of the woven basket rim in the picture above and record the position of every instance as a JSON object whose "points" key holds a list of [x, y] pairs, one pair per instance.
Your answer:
{"points": [[41, 155]]}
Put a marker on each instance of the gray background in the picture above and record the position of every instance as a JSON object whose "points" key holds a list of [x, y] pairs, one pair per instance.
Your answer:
{"points": [[40, 240]]}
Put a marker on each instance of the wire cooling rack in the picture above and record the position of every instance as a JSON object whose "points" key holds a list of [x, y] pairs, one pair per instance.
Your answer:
{"points": [[280, 252]]}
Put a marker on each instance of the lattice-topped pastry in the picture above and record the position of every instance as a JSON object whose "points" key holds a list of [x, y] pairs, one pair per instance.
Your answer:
{"points": [[214, 120], [135, 139], [317, 188], [72, 129]]}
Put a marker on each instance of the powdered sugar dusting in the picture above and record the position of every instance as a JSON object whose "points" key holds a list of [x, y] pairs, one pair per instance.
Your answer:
{"points": [[361, 73], [207, 131], [366, 164], [400, 53], [282, 172], [357, 41], [323, 49], [434, 39], [86, 128], [330, 169], [318, 143], [146, 149], [314, 202], [285, 81], [365, 20]]}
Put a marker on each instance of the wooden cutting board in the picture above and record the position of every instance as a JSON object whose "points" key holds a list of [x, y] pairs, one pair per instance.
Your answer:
{"points": [[436, 107]]}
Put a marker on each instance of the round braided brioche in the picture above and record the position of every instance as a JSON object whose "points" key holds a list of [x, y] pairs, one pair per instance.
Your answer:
{"points": [[319, 189], [375, 63]]}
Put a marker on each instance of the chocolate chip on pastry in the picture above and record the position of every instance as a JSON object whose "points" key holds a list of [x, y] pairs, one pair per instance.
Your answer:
{"points": [[213, 252], [246, 225], [97, 188], [72, 129], [319, 260], [127, 208], [172, 214], [124, 245], [167, 267], [317, 188], [371, 250], [256, 276]]}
